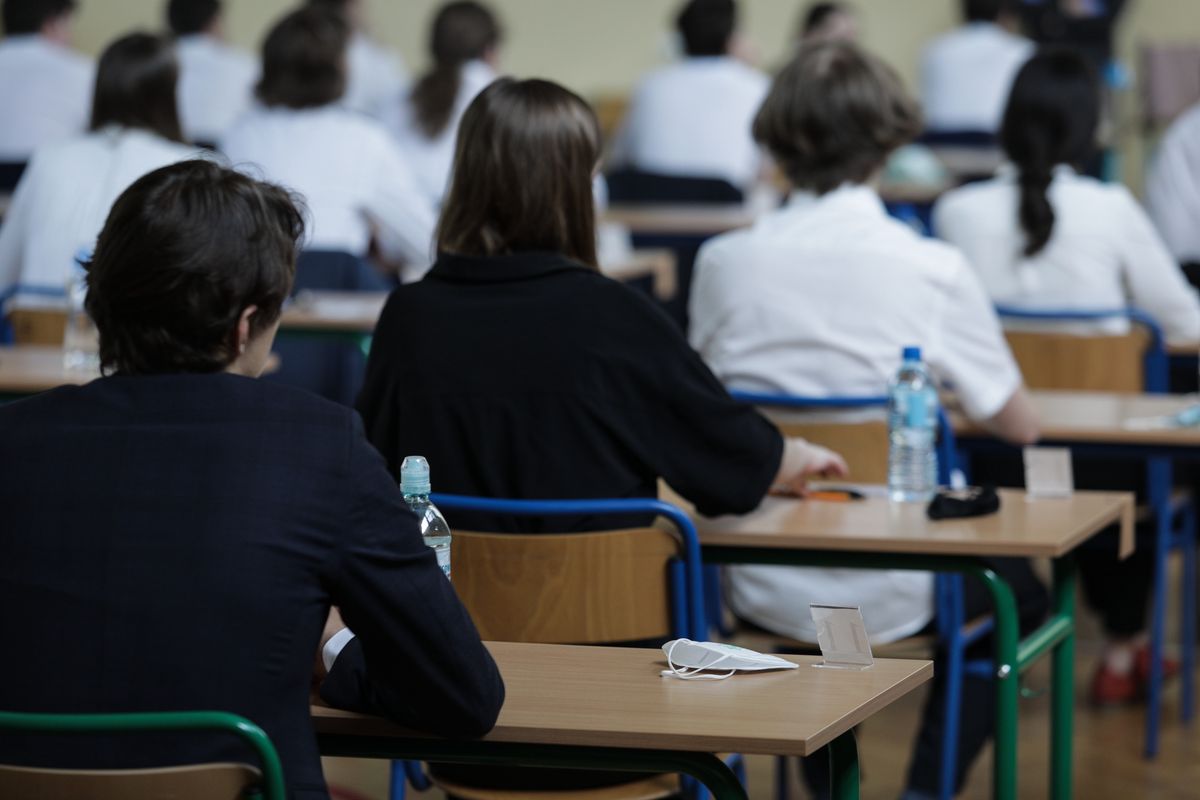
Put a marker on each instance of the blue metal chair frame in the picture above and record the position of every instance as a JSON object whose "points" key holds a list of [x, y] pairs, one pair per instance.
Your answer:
{"points": [[950, 615], [687, 600], [1175, 526]]}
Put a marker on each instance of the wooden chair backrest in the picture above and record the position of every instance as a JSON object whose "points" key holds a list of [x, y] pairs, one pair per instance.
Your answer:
{"points": [[38, 326], [577, 588], [194, 782], [1082, 363], [864, 445]]}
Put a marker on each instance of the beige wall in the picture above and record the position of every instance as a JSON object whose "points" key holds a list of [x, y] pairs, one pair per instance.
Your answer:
{"points": [[601, 46]]}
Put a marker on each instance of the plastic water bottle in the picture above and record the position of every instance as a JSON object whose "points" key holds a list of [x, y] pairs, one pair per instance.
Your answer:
{"points": [[414, 485], [912, 428], [81, 344]]}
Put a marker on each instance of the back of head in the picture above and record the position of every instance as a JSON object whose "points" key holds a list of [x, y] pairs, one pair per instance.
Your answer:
{"points": [[30, 16], [304, 59], [984, 10], [707, 26], [833, 115], [522, 176], [187, 17], [462, 31], [135, 86], [827, 21], [166, 294], [1051, 118]]}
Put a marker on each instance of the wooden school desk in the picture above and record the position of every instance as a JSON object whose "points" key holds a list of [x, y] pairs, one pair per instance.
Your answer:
{"points": [[29, 369], [609, 708], [877, 534], [701, 221]]}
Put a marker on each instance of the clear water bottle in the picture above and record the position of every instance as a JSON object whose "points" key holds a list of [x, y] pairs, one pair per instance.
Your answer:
{"points": [[912, 430], [81, 343], [414, 485]]}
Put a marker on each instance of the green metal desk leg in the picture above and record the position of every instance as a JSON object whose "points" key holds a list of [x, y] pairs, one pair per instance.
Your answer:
{"points": [[1007, 684], [1063, 686], [843, 767]]}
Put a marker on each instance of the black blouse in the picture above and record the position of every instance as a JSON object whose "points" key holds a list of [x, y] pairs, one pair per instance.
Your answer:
{"points": [[531, 376]]}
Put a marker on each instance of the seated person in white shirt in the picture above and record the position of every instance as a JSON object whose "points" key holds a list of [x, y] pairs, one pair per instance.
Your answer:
{"points": [[354, 180], [966, 74], [817, 299], [376, 76], [692, 119], [1042, 236], [464, 47], [65, 195], [45, 86], [216, 81], [1173, 191]]}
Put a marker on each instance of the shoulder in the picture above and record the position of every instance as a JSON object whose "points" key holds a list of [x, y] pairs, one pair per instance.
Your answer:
{"points": [[721, 252], [983, 197], [1185, 131]]}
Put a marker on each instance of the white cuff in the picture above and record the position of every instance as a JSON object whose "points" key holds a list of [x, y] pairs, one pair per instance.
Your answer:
{"points": [[333, 648]]}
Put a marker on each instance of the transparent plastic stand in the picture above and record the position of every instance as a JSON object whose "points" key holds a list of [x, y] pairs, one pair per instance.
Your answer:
{"points": [[842, 635]]}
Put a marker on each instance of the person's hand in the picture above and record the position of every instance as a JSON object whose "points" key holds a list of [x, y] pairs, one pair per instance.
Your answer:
{"points": [[333, 624], [802, 462]]}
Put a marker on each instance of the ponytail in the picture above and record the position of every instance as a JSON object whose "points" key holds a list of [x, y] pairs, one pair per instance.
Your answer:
{"points": [[463, 31], [1034, 211]]}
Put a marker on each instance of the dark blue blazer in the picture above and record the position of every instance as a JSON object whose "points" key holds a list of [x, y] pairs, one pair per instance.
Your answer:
{"points": [[174, 542]]}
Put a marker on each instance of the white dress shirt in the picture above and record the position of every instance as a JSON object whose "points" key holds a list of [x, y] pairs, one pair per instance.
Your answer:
{"points": [[433, 159], [1103, 253], [216, 86], [693, 119], [350, 173], [63, 200], [377, 78], [1173, 187], [817, 299], [966, 76], [45, 95]]}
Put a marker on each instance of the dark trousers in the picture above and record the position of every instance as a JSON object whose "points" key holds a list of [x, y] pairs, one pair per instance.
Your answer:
{"points": [[978, 711]]}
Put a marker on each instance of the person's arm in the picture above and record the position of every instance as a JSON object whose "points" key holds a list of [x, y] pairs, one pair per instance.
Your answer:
{"points": [[14, 231], [803, 461], [415, 657], [403, 218], [1156, 283], [1016, 421]]}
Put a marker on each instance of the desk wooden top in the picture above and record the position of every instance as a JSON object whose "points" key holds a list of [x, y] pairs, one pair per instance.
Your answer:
{"points": [[347, 312], [28, 369], [1104, 418], [615, 697], [695, 220], [1044, 528], [1186, 349], [657, 264]]}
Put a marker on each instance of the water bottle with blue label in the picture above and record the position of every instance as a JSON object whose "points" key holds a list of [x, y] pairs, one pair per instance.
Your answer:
{"points": [[912, 432], [414, 485]]}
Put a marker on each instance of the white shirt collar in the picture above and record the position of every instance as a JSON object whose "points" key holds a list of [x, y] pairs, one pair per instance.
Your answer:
{"points": [[851, 197]]}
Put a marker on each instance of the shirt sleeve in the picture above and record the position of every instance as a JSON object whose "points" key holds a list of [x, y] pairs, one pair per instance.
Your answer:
{"points": [[1173, 192], [415, 656], [969, 352], [14, 231], [1156, 284], [403, 218]]}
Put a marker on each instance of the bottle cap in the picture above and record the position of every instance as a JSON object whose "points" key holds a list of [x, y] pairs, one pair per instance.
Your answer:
{"points": [[911, 353], [414, 475]]}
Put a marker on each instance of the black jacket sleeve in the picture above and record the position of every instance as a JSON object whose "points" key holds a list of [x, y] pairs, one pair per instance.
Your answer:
{"points": [[417, 657]]}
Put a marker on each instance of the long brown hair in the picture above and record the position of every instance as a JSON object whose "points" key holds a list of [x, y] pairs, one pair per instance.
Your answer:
{"points": [[462, 31], [135, 86], [522, 176], [304, 59]]}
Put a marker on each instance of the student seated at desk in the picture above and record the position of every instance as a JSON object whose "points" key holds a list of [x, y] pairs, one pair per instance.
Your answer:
{"points": [[966, 74], [464, 45], [216, 81], [1173, 191], [175, 533], [520, 371], [353, 177], [66, 192], [45, 86], [375, 75], [1042, 236], [817, 300], [692, 119]]}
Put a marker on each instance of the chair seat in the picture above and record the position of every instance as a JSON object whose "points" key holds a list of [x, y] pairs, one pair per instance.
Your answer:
{"points": [[217, 781], [652, 788]]}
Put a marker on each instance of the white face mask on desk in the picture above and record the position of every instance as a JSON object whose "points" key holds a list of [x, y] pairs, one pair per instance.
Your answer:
{"points": [[687, 659]]}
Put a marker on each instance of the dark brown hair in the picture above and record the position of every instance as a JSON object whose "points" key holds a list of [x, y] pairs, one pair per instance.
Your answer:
{"points": [[186, 17], [462, 31], [165, 292], [522, 176], [304, 59], [29, 16], [833, 116], [707, 26], [1051, 119], [135, 86]]}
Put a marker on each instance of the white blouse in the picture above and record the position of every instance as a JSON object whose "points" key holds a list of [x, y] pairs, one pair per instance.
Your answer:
{"points": [[1173, 187], [63, 200], [216, 86], [1103, 253], [351, 175], [45, 93], [817, 299]]}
